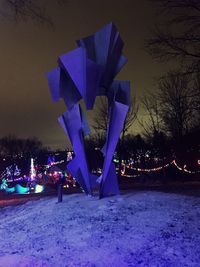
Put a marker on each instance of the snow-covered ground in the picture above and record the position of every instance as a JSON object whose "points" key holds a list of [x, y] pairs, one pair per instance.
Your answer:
{"points": [[135, 229]]}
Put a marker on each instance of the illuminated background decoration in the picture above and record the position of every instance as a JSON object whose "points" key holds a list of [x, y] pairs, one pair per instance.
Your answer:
{"points": [[84, 73]]}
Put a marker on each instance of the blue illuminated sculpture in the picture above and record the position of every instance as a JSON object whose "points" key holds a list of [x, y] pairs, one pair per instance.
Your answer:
{"points": [[84, 73]]}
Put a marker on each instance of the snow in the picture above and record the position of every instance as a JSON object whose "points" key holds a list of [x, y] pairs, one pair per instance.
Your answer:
{"points": [[138, 228]]}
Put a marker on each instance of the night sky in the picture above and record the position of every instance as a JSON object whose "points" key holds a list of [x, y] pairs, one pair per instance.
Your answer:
{"points": [[29, 50]]}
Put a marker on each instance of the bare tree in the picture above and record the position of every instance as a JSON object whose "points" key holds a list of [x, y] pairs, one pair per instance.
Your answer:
{"points": [[100, 121], [101, 124], [178, 37], [172, 113], [151, 122], [172, 108], [153, 127], [176, 104], [23, 10], [131, 115]]}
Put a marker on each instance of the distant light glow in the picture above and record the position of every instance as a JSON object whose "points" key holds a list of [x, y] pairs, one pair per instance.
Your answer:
{"points": [[21, 190], [54, 163], [33, 172], [39, 188], [10, 189]]}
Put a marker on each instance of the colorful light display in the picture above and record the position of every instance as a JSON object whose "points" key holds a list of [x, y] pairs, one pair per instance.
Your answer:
{"points": [[39, 188], [33, 171], [54, 163]]}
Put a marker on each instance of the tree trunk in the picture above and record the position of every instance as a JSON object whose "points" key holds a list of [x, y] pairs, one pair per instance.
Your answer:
{"points": [[120, 161], [121, 146]]}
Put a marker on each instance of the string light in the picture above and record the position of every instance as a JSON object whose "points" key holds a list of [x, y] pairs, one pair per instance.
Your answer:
{"points": [[54, 163], [184, 169], [154, 169], [173, 162], [150, 170], [131, 176], [123, 169]]}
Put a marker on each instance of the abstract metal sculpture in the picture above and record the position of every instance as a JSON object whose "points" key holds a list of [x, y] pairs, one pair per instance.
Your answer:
{"points": [[84, 73]]}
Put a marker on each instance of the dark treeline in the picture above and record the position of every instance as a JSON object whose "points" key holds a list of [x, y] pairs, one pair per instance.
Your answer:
{"points": [[18, 151], [172, 114], [174, 108], [170, 125]]}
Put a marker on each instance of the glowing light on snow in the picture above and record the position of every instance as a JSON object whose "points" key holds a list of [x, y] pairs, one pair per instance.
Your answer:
{"points": [[39, 188], [20, 189]]}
